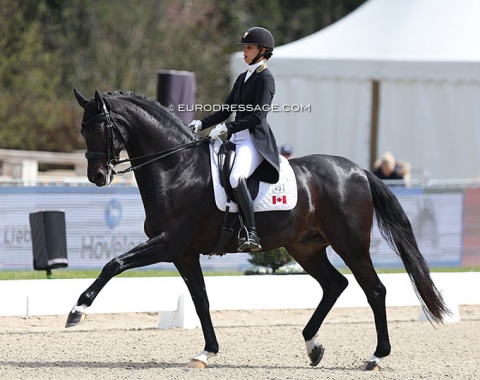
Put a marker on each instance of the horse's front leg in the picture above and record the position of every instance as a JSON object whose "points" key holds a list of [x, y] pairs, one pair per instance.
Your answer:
{"points": [[191, 271], [147, 253]]}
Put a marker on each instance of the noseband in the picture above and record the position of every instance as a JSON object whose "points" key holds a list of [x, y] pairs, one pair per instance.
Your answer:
{"points": [[112, 158]]}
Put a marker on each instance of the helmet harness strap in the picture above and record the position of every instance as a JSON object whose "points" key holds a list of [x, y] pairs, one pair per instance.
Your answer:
{"points": [[257, 57]]}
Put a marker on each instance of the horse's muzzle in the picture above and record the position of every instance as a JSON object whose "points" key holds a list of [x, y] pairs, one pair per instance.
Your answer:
{"points": [[100, 177]]}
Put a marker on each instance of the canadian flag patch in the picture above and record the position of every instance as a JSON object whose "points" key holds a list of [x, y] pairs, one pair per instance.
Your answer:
{"points": [[277, 199]]}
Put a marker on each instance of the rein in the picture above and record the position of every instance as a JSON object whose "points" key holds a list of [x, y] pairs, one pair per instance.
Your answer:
{"points": [[157, 156], [113, 160]]}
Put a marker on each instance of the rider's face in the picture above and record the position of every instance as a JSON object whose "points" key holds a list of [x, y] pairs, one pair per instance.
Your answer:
{"points": [[250, 52]]}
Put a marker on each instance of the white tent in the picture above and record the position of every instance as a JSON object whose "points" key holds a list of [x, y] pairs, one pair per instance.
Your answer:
{"points": [[398, 75]]}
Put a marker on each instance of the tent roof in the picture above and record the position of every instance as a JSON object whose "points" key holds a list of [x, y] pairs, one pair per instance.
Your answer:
{"points": [[437, 39], [420, 30]]}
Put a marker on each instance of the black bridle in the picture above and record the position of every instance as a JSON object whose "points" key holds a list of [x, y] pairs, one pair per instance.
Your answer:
{"points": [[114, 159]]}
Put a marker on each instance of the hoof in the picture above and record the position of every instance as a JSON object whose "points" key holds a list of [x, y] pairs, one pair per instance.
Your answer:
{"points": [[371, 366], [316, 355], [75, 318], [194, 363]]}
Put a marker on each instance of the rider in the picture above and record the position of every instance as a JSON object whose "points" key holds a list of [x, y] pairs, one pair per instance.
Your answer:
{"points": [[256, 147]]}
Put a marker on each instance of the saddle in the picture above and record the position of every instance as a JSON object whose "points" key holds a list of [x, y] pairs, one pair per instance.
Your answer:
{"points": [[281, 196], [226, 157]]}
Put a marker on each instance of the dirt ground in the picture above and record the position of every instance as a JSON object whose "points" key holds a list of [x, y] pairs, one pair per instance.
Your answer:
{"points": [[256, 344]]}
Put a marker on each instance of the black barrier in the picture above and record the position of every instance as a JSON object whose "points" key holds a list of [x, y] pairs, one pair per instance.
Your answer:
{"points": [[49, 240], [176, 90]]}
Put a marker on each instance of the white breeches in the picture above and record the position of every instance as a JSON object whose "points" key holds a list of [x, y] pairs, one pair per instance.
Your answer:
{"points": [[247, 157]]}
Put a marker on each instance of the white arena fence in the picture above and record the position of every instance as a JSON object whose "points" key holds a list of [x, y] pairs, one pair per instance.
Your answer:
{"points": [[169, 295]]}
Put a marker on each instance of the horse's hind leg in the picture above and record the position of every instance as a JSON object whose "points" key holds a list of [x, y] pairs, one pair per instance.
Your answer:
{"points": [[333, 283], [364, 272]]}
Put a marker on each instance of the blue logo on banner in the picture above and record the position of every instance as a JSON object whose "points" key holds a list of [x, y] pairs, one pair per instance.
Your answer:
{"points": [[113, 213]]}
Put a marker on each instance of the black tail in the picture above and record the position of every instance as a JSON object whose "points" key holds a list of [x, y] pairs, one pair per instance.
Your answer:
{"points": [[397, 231]]}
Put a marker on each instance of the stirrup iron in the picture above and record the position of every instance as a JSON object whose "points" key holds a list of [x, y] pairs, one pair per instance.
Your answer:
{"points": [[250, 241]]}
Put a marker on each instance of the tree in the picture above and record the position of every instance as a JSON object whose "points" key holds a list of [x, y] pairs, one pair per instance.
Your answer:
{"points": [[31, 114], [50, 47], [273, 259]]}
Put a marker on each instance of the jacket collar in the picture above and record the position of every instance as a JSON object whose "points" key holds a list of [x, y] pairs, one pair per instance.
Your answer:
{"points": [[258, 70], [255, 66]]}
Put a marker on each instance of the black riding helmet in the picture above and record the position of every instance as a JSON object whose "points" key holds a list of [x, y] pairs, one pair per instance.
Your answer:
{"points": [[259, 36]]}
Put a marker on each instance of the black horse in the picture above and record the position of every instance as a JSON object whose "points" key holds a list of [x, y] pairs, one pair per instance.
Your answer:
{"points": [[337, 201]]}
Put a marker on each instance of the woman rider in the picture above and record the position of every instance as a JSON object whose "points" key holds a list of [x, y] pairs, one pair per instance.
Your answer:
{"points": [[256, 147]]}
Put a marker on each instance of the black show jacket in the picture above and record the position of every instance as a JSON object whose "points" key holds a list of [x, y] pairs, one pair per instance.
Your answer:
{"points": [[251, 101]]}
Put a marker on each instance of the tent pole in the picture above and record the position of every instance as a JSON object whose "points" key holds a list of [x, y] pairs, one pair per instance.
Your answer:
{"points": [[374, 122]]}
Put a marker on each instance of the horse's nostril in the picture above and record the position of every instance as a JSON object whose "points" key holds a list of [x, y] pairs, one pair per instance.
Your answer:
{"points": [[99, 179]]}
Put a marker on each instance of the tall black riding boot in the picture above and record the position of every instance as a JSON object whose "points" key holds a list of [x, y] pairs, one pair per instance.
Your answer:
{"points": [[251, 242]]}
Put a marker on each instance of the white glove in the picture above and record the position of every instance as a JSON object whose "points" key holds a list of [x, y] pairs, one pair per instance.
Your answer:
{"points": [[217, 131], [195, 126]]}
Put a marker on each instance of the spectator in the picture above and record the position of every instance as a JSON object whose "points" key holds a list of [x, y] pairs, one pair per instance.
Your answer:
{"points": [[286, 151], [387, 168]]}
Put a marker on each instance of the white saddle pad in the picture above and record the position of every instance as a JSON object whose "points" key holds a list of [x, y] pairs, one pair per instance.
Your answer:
{"points": [[280, 196]]}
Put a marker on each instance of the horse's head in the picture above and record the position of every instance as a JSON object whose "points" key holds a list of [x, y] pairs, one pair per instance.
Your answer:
{"points": [[102, 138]]}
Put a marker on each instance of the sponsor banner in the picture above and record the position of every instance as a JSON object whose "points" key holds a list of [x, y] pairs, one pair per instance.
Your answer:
{"points": [[100, 223], [436, 219], [104, 223]]}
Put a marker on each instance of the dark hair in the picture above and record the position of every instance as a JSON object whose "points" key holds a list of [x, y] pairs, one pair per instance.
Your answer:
{"points": [[268, 55]]}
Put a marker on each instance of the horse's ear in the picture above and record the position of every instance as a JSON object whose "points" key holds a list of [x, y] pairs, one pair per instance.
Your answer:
{"points": [[82, 100], [99, 100]]}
